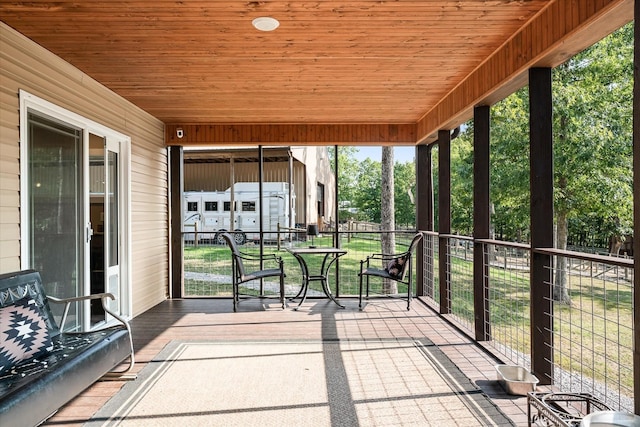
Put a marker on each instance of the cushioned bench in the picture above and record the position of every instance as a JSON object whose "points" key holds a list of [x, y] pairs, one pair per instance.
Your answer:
{"points": [[42, 367]]}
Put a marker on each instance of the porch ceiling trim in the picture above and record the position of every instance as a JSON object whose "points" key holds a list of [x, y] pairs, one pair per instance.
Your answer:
{"points": [[293, 134]]}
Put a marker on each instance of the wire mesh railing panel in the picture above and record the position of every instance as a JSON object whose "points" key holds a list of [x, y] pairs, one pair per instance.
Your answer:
{"points": [[430, 269], [509, 301], [207, 268], [592, 332], [360, 245], [460, 254], [207, 263]]}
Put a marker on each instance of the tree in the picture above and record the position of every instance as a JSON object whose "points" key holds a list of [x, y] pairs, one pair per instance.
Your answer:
{"points": [[367, 194], [462, 183], [509, 179], [347, 172], [592, 152], [404, 193], [359, 183], [592, 129], [387, 212]]}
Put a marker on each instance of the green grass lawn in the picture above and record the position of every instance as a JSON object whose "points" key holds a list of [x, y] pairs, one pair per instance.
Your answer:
{"points": [[208, 267]]}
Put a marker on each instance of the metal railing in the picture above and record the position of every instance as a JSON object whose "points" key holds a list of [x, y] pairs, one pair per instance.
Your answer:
{"points": [[460, 268], [509, 300], [430, 283], [207, 263], [591, 332]]}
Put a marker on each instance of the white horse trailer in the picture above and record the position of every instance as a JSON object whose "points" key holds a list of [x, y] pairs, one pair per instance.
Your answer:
{"points": [[208, 213]]}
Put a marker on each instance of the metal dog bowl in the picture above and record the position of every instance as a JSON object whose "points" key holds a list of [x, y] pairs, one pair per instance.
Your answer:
{"points": [[516, 379], [610, 419]]}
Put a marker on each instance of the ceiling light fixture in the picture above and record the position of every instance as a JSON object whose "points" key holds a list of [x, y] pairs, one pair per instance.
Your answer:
{"points": [[265, 23]]}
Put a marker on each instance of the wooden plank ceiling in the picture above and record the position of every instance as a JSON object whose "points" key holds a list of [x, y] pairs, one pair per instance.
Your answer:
{"points": [[352, 72]]}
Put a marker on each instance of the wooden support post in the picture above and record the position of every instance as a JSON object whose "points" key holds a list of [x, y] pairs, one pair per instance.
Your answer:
{"points": [[424, 220], [261, 210], [444, 218], [541, 193], [481, 221], [175, 217], [336, 210]]}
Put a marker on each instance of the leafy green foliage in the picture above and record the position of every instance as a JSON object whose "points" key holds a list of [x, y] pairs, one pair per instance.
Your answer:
{"points": [[592, 133], [462, 183], [592, 102], [359, 185], [367, 197], [347, 180], [509, 188], [592, 95], [405, 190]]}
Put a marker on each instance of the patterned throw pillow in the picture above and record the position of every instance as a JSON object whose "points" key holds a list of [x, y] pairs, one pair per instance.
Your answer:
{"points": [[395, 268], [23, 333]]}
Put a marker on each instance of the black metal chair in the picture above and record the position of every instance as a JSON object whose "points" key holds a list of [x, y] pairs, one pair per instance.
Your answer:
{"points": [[240, 275], [377, 265]]}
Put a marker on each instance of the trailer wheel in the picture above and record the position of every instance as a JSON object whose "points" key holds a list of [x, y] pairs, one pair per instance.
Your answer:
{"points": [[218, 239], [239, 237]]}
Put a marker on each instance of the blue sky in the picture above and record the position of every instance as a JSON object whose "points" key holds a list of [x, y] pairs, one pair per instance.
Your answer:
{"points": [[400, 154]]}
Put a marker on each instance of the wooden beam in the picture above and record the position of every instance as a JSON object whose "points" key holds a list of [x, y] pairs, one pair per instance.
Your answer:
{"points": [[560, 31], [291, 134]]}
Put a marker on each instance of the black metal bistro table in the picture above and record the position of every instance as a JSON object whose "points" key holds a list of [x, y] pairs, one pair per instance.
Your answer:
{"points": [[330, 255]]}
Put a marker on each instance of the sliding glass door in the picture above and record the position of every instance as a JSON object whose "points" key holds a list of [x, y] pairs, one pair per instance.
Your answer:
{"points": [[76, 216]]}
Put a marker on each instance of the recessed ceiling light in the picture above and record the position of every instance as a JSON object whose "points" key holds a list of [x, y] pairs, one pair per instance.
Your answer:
{"points": [[265, 23]]}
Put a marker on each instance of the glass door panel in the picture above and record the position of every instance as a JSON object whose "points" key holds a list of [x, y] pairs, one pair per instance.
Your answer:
{"points": [[56, 229], [112, 220], [105, 218], [97, 226]]}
